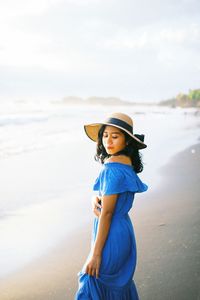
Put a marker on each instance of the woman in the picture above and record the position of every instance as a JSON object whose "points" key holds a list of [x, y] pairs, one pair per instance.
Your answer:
{"points": [[108, 271]]}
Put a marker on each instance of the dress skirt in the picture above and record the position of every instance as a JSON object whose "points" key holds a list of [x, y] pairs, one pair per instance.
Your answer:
{"points": [[117, 265]]}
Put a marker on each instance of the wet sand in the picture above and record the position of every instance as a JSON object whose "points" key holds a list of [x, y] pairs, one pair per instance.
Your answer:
{"points": [[167, 226], [167, 232]]}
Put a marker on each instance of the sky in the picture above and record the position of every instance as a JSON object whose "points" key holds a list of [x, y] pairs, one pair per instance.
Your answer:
{"points": [[136, 50]]}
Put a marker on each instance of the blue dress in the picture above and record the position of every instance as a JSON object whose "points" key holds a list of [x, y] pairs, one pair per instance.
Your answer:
{"points": [[119, 253]]}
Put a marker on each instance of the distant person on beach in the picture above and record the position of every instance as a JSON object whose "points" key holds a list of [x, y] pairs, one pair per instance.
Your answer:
{"points": [[109, 269]]}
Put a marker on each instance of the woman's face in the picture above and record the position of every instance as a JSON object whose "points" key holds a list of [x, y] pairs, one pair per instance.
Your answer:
{"points": [[113, 140]]}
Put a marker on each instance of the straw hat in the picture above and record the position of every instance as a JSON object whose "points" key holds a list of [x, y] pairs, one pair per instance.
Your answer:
{"points": [[119, 120]]}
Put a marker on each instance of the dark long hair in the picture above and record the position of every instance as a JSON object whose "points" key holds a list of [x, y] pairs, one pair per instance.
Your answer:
{"points": [[130, 150]]}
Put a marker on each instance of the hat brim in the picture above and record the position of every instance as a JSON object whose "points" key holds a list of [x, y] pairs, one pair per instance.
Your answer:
{"points": [[92, 131]]}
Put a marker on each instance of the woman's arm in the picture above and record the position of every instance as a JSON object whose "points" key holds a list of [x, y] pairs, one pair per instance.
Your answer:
{"points": [[108, 205]]}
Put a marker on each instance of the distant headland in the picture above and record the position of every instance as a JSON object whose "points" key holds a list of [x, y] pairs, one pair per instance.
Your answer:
{"points": [[192, 99], [95, 100]]}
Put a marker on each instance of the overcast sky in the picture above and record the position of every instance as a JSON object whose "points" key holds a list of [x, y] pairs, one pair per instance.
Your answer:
{"points": [[134, 49]]}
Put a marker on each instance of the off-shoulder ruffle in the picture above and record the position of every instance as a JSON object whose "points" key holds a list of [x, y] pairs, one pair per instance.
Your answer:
{"points": [[116, 178]]}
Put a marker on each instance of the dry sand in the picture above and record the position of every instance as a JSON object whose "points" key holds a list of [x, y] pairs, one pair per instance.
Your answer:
{"points": [[167, 228]]}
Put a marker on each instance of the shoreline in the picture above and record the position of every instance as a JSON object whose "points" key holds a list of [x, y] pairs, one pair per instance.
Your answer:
{"points": [[168, 243]]}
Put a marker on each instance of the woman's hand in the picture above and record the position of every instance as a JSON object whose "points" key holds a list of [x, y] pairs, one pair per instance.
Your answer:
{"points": [[96, 206], [93, 265]]}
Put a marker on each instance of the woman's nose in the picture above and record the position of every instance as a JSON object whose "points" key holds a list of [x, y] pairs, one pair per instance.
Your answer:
{"points": [[109, 140]]}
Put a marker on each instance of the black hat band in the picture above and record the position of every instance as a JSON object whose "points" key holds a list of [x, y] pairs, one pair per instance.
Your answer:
{"points": [[120, 123]]}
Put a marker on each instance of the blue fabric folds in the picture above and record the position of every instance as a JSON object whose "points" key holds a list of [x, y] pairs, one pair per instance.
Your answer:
{"points": [[116, 178], [119, 253]]}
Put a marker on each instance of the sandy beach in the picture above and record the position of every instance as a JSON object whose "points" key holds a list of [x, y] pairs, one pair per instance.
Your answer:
{"points": [[167, 231], [167, 227]]}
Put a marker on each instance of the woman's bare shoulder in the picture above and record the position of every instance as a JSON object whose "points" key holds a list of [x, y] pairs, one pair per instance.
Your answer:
{"points": [[120, 158]]}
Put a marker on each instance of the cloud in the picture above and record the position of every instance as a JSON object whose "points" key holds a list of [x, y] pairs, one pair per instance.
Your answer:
{"points": [[10, 8], [110, 47], [154, 37]]}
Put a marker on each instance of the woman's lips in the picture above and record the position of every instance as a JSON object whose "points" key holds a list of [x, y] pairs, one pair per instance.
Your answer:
{"points": [[109, 147]]}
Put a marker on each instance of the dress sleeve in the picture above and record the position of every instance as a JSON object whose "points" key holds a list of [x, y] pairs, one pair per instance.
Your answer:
{"points": [[117, 180]]}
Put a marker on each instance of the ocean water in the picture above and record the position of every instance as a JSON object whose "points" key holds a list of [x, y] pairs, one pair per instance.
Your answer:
{"points": [[47, 168]]}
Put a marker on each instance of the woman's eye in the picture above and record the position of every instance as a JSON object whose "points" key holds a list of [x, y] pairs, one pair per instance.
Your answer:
{"points": [[113, 136]]}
